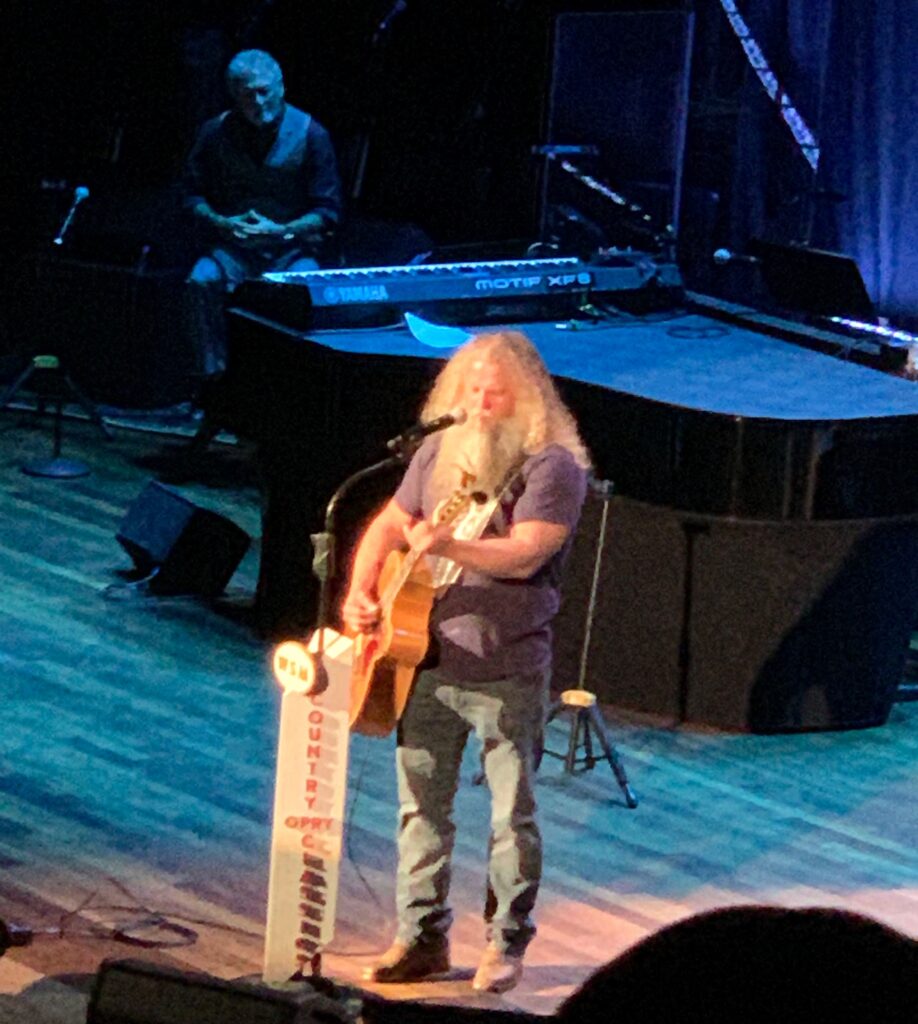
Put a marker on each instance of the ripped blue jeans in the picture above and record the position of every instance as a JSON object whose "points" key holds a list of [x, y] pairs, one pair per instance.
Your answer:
{"points": [[507, 716]]}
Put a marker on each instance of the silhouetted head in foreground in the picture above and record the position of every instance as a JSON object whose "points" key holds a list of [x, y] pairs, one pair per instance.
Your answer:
{"points": [[757, 963]]}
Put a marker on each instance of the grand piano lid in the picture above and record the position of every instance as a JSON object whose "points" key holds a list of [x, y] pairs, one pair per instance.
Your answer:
{"points": [[688, 361], [702, 364]]}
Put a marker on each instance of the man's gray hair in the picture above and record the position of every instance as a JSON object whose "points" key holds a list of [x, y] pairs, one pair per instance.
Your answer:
{"points": [[247, 63]]}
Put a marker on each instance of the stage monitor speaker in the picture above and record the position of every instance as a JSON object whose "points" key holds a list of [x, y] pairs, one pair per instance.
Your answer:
{"points": [[137, 992], [187, 549]]}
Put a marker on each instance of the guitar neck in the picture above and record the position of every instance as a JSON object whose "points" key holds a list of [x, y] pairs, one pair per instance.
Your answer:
{"points": [[450, 511]]}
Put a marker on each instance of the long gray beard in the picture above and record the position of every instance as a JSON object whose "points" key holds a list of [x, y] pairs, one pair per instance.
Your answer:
{"points": [[481, 457]]}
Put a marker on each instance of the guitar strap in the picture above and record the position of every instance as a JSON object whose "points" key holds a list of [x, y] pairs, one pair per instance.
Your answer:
{"points": [[471, 526]]}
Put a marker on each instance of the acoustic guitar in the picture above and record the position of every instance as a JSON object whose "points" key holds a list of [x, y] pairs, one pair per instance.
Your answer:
{"points": [[386, 659]]}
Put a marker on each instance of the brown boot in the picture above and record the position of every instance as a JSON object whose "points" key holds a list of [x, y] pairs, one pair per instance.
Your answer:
{"points": [[414, 961], [498, 971]]}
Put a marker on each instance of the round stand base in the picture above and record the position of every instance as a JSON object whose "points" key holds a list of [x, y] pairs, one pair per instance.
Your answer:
{"points": [[57, 468]]}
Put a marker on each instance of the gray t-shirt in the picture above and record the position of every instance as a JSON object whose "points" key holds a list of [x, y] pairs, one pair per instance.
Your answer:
{"points": [[484, 628]]}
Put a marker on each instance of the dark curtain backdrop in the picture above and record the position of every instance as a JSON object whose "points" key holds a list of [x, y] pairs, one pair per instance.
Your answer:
{"points": [[870, 124], [849, 66]]}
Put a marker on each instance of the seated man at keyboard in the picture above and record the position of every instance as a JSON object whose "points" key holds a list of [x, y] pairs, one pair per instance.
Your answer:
{"points": [[262, 183]]}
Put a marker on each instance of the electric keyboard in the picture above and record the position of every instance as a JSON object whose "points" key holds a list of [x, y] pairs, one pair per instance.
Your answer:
{"points": [[435, 282], [477, 290]]}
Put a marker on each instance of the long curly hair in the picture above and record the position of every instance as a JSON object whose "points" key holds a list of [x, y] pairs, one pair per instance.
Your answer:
{"points": [[542, 415]]}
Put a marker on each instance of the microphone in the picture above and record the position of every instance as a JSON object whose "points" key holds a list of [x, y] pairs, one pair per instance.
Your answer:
{"points": [[80, 193], [724, 256], [420, 430], [394, 11]]}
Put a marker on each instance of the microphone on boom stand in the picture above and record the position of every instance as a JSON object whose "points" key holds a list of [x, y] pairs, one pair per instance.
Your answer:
{"points": [[80, 193], [420, 430], [724, 256]]}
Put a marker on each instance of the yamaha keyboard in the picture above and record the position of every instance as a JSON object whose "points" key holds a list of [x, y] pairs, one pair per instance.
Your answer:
{"points": [[457, 292]]}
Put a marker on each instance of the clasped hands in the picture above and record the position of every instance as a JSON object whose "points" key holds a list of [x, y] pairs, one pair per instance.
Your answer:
{"points": [[254, 228]]}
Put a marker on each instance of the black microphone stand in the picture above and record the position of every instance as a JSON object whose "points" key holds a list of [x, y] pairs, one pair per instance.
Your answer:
{"points": [[324, 568], [324, 543], [637, 217], [581, 703], [402, 447], [373, 74], [550, 151]]}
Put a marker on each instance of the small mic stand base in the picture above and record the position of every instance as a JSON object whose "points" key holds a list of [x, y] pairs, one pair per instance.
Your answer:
{"points": [[56, 468]]}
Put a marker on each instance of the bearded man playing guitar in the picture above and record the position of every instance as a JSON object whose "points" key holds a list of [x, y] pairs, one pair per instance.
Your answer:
{"points": [[518, 455]]}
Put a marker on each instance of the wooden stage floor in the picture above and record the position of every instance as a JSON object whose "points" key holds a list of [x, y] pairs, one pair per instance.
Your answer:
{"points": [[137, 742]]}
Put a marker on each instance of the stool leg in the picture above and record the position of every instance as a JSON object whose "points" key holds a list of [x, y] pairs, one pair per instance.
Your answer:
{"points": [[206, 432], [8, 395], [91, 411], [58, 429], [612, 756], [589, 758], [571, 759]]}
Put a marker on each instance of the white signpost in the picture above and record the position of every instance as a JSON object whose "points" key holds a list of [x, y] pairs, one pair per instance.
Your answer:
{"points": [[309, 800]]}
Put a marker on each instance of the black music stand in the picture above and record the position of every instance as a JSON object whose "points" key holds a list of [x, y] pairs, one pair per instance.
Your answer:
{"points": [[813, 281]]}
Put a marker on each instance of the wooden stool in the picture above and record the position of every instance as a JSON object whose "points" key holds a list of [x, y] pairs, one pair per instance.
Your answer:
{"points": [[586, 722], [56, 384]]}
